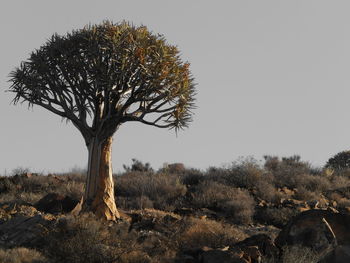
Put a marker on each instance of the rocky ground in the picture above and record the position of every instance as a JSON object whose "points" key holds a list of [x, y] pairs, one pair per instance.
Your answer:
{"points": [[284, 211]]}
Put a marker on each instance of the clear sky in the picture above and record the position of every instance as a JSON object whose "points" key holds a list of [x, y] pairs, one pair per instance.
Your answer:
{"points": [[273, 78]]}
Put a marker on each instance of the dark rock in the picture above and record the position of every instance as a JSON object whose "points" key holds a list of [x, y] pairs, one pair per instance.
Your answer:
{"points": [[78, 208], [263, 242], [303, 228], [220, 256], [138, 223], [340, 254], [210, 255], [190, 255], [321, 230], [24, 231], [54, 203], [184, 211]]}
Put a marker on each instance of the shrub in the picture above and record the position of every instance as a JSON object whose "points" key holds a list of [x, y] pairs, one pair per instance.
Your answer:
{"points": [[244, 173], [267, 191], [285, 170], [6, 185], [339, 181], [163, 190], [173, 168], [236, 203], [88, 239], [339, 161], [192, 177], [304, 194], [314, 183], [138, 166], [204, 232], [275, 216]]}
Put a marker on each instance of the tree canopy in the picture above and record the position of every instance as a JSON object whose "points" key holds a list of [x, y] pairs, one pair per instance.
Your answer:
{"points": [[104, 75]]}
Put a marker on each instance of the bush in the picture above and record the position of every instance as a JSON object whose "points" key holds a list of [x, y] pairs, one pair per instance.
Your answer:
{"points": [[304, 194], [339, 161], [244, 173], [275, 216], [192, 177], [88, 239], [265, 190], [236, 203], [138, 166], [285, 170], [204, 232], [164, 191], [339, 181]]}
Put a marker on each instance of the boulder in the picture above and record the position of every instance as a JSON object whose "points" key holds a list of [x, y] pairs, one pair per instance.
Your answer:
{"points": [[55, 204], [321, 230], [340, 254], [300, 228], [24, 231]]}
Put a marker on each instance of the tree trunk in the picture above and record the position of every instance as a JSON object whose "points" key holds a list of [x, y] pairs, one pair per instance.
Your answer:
{"points": [[99, 191]]}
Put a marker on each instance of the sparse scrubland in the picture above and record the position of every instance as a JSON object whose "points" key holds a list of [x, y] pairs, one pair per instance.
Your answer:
{"points": [[175, 214]]}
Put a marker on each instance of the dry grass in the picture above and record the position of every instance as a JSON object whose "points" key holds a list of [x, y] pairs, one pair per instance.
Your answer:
{"points": [[295, 254], [21, 255]]}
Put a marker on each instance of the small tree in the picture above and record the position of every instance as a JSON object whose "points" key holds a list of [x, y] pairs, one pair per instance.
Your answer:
{"points": [[100, 77], [340, 161]]}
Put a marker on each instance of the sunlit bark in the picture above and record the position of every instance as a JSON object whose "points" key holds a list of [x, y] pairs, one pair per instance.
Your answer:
{"points": [[99, 191]]}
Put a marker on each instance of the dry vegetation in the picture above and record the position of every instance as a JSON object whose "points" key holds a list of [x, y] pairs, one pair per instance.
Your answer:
{"points": [[172, 211]]}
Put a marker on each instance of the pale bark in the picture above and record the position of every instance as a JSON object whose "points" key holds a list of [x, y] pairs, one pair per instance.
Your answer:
{"points": [[99, 191]]}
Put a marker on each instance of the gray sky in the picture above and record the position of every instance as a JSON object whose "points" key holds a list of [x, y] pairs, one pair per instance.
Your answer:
{"points": [[273, 78]]}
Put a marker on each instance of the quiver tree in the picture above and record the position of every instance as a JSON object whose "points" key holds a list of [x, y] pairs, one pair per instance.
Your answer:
{"points": [[100, 77]]}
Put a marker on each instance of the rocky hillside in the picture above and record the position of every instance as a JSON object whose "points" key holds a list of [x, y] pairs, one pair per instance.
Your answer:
{"points": [[282, 211]]}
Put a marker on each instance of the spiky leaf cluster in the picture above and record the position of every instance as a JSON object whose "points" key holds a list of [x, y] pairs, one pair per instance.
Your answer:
{"points": [[104, 75]]}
